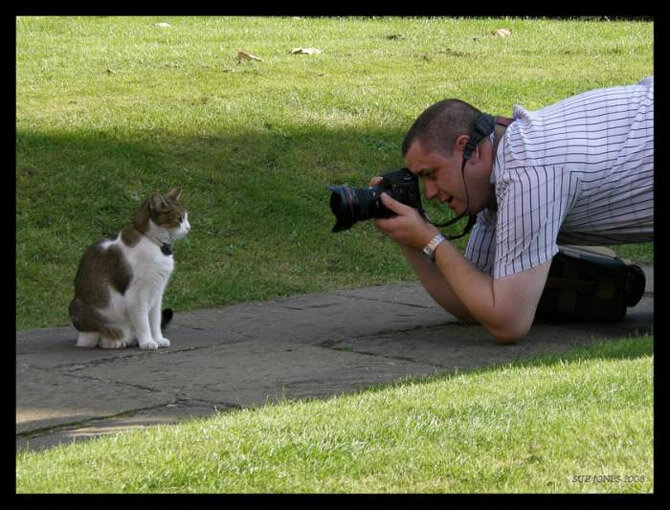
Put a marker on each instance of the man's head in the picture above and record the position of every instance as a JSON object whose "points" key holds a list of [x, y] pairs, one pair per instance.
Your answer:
{"points": [[433, 150], [438, 127]]}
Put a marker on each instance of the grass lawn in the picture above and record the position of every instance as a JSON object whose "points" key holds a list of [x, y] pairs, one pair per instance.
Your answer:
{"points": [[110, 108], [578, 422]]}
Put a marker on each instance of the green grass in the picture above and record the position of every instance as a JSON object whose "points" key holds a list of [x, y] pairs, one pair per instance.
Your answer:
{"points": [[526, 427], [110, 108]]}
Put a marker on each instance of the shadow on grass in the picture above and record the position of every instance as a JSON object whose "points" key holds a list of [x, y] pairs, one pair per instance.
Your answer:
{"points": [[258, 205], [262, 192], [246, 174]]}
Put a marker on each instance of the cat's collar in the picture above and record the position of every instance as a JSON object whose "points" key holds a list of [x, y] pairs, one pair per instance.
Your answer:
{"points": [[166, 248]]}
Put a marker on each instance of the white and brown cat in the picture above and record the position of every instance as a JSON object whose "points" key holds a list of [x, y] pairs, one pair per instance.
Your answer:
{"points": [[120, 283]]}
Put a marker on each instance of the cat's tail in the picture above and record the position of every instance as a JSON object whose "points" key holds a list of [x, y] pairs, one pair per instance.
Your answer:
{"points": [[166, 317], [86, 318]]}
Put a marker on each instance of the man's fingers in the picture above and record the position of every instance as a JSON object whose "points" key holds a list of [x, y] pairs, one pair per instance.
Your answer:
{"points": [[393, 204]]}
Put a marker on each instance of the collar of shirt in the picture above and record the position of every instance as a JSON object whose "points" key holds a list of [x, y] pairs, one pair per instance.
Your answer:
{"points": [[493, 162]]}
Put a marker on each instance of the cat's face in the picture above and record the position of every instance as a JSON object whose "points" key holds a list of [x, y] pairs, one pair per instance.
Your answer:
{"points": [[164, 212], [167, 213]]}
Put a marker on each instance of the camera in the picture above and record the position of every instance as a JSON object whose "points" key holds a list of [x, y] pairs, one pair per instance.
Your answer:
{"points": [[350, 205]]}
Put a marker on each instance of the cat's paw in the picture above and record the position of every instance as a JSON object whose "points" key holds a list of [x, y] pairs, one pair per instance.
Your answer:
{"points": [[162, 342], [88, 339], [107, 343], [148, 345]]}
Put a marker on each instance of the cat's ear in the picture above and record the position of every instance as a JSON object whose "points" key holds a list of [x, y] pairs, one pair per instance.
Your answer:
{"points": [[143, 213], [174, 194], [156, 201]]}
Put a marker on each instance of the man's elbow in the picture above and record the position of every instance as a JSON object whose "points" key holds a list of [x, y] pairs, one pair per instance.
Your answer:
{"points": [[509, 334]]}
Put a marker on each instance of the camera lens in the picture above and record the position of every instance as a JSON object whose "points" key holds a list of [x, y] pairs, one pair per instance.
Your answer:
{"points": [[350, 205], [342, 206]]}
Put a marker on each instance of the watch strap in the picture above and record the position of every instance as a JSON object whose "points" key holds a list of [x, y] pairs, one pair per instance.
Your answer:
{"points": [[430, 248]]}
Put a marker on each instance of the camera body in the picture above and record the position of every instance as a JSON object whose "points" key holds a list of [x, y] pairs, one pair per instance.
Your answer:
{"points": [[350, 205]]}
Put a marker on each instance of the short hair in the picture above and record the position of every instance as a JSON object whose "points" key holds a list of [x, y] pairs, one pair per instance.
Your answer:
{"points": [[440, 124]]}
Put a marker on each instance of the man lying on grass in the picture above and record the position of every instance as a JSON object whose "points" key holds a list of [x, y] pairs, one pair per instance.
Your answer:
{"points": [[576, 172]]}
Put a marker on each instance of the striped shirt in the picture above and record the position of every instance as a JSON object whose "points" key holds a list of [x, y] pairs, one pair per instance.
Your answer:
{"points": [[576, 172]]}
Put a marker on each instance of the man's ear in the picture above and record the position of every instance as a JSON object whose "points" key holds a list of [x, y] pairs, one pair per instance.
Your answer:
{"points": [[461, 142]]}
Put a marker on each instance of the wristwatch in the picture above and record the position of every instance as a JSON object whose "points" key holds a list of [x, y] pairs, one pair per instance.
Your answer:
{"points": [[429, 249]]}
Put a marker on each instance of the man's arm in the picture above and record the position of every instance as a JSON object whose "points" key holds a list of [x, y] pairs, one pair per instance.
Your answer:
{"points": [[506, 307], [436, 285]]}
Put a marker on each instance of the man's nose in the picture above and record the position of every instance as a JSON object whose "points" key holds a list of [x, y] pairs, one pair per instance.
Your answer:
{"points": [[430, 190]]}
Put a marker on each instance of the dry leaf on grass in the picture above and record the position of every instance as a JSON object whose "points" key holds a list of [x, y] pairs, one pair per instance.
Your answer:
{"points": [[306, 51], [243, 55], [502, 32]]}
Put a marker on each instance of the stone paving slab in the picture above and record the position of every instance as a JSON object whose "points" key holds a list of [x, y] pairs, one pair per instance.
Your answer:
{"points": [[255, 373], [455, 347], [46, 399], [251, 354]]}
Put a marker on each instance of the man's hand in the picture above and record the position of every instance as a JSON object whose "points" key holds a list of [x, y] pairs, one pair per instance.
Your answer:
{"points": [[408, 227]]}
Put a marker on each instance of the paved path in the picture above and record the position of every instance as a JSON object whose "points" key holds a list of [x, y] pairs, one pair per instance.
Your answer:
{"points": [[251, 354]]}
